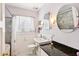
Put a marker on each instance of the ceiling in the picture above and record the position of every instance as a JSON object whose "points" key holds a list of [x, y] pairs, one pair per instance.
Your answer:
{"points": [[30, 6]]}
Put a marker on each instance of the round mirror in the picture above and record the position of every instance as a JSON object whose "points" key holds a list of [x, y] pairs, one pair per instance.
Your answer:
{"points": [[67, 18]]}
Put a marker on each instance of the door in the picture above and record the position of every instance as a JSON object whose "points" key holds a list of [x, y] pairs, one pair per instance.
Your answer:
{"points": [[0, 39], [2, 29], [24, 33]]}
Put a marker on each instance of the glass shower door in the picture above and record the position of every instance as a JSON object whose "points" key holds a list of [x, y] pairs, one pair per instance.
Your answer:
{"points": [[24, 35]]}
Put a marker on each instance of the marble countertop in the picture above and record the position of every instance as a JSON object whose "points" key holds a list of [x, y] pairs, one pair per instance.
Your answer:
{"points": [[58, 50], [52, 51]]}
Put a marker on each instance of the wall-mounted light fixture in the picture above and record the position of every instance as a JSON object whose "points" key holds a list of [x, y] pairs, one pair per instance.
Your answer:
{"points": [[53, 20]]}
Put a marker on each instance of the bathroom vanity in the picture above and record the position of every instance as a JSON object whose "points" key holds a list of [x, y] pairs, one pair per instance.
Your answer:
{"points": [[57, 49]]}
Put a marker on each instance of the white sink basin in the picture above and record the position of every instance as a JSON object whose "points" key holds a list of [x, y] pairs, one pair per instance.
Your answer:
{"points": [[41, 40]]}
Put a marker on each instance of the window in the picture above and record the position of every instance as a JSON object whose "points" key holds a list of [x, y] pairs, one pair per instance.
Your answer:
{"points": [[26, 24]]}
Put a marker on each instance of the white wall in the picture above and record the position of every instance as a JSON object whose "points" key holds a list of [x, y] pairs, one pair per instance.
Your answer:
{"points": [[0, 11], [69, 39]]}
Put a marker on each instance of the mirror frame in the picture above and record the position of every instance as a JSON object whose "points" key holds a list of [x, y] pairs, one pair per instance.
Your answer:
{"points": [[74, 16]]}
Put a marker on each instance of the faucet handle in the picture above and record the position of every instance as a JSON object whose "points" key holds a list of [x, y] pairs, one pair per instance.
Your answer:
{"points": [[52, 36]]}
